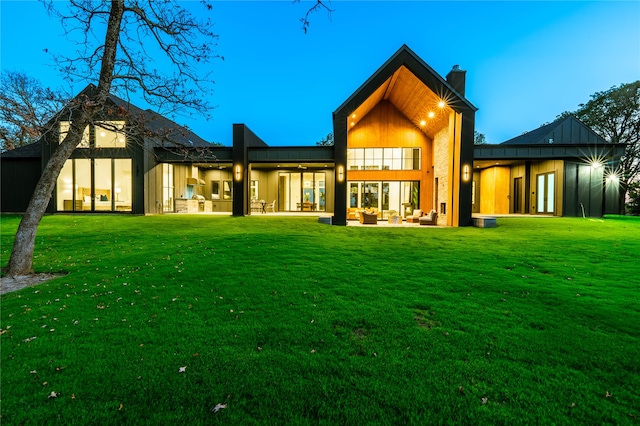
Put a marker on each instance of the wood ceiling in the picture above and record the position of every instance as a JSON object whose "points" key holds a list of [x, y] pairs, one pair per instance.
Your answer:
{"points": [[413, 98]]}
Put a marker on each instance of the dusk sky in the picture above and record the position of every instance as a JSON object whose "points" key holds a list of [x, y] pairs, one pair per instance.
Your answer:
{"points": [[526, 62]]}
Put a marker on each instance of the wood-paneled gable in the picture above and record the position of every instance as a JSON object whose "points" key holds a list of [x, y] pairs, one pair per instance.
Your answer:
{"points": [[412, 98]]}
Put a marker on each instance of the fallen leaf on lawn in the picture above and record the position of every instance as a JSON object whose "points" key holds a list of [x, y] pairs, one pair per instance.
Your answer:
{"points": [[44, 383], [485, 400], [120, 407], [33, 371], [182, 369], [73, 396], [461, 390], [313, 351], [53, 395], [607, 395], [219, 407]]}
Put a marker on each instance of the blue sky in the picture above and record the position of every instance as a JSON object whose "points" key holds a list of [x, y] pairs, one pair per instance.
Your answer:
{"points": [[526, 62]]}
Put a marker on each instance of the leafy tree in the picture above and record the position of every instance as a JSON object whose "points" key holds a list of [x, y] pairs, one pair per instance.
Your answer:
{"points": [[479, 138], [633, 196], [25, 107], [615, 115], [326, 141]]}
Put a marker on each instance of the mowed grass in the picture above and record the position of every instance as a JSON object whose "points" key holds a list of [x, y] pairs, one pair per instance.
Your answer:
{"points": [[282, 320]]}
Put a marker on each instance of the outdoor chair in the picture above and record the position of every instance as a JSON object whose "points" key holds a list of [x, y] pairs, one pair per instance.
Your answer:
{"points": [[429, 219], [415, 217], [271, 205], [368, 218]]}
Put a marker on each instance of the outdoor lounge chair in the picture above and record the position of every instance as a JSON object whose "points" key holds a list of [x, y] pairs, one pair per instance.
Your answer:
{"points": [[429, 219], [415, 216], [368, 218]]}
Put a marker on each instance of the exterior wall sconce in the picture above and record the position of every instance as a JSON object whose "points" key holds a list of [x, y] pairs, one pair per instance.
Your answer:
{"points": [[340, 173], [238, 171], [465, 173]]}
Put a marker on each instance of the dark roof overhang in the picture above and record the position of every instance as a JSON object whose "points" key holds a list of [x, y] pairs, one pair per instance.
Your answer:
{"points": [[300, 154], [486, 155]]}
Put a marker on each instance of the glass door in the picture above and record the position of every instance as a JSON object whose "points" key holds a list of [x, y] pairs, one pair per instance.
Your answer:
{"points": [[546, 193]]}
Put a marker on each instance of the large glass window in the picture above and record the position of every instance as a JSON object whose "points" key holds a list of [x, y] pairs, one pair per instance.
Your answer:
{"points": [[122, 184], [101, 184], [167, 187], [64, 129], [65, 195], [397, 196], [383, 158], [82, 183], [110, 134]]}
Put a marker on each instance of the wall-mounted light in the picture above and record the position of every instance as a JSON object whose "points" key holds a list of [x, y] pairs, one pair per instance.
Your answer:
{"points": [[596, 164], [340, 173], [465, 173], [238, 172]]}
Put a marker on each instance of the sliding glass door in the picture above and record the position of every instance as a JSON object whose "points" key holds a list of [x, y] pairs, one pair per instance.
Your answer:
{"points": [[301, 191]]}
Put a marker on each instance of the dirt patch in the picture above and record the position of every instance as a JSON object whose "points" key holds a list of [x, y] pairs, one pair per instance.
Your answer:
{"points": [[18, 282]]}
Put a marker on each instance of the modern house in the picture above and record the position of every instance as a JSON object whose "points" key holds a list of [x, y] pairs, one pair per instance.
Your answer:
{"points": [[560, 169], [403, 141]]}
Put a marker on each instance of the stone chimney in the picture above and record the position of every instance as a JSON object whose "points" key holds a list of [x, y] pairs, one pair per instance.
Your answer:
{"points": [[456, 78]]}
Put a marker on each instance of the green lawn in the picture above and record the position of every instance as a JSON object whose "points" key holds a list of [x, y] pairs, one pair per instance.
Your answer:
{"points": [[287, 321]]}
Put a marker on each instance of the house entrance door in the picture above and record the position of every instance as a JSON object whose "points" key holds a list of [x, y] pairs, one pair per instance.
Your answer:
{"points": [[546, 196]]}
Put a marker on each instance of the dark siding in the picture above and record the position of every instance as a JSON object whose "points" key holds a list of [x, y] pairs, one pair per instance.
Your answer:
{"points": [[583, 189], [19, 179], [570, 203]]}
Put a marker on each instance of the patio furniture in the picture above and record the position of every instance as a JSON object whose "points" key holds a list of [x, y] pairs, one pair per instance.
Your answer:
{"points": [[429, 219], [368, 218], [271, 205], [394, 217], [415, 217]]}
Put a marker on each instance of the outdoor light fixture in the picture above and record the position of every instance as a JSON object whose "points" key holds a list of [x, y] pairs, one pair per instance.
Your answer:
{"points": [[441, 104], [340, 173], [431, 114], [596, 164], [465, 173], [422, 122], [238, 172]]}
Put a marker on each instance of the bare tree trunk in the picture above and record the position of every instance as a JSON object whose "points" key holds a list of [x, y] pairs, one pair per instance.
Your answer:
{"points": [[22, 254], [21, 259]]}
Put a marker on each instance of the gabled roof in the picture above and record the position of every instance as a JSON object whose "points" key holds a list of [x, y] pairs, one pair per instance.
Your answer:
{"points": [[163, 131], [33, 150], [412, 86], [172, 133], [564, 131]]}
